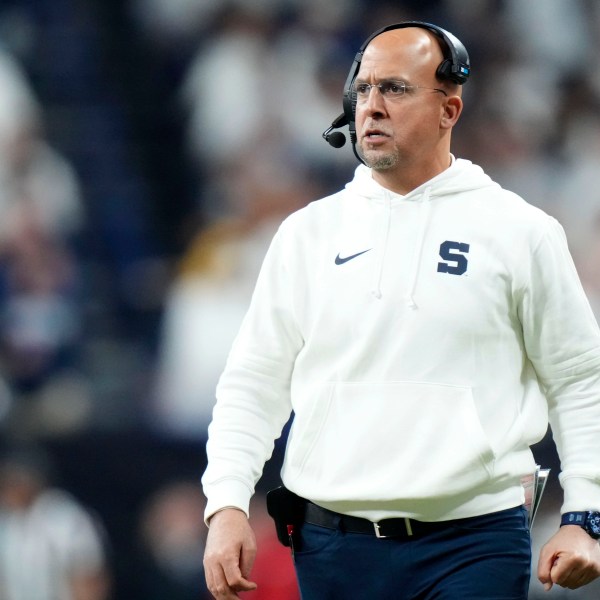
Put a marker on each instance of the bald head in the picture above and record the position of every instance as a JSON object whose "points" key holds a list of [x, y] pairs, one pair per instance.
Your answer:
{"points": [[415, 52]]}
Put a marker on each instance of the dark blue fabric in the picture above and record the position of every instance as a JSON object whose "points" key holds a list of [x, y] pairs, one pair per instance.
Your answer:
{"points": [[486, 557]]}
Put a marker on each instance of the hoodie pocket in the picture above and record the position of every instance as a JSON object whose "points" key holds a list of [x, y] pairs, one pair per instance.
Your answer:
{"points": [[391, 440]]}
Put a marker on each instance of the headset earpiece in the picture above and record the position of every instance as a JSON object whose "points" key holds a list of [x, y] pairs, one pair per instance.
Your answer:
{"points": [[444, 71]]}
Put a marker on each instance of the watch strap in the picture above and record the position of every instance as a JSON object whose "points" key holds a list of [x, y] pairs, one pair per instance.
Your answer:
{"points": [[588, 520], [574, 518]]}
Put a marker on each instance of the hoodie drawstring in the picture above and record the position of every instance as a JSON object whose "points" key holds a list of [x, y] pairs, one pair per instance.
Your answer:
{"points": [[384, 233], [424, 210]]}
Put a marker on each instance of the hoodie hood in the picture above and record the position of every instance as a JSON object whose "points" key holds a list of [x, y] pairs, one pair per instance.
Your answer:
{"points": [[461, 176]]}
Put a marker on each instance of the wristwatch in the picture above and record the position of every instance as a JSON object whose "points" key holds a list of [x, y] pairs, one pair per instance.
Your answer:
{"points": [[588, 520]]}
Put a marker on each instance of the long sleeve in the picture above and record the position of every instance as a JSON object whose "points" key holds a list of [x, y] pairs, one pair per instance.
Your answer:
{"points": [[562, 340], [253, 393]]}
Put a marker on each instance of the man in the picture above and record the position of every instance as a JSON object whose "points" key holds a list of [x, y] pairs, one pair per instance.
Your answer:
{"points": [[50, 545], [421, 324]]}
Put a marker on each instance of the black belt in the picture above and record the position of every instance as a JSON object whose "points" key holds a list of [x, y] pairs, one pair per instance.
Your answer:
{"points": [[387, 528]]}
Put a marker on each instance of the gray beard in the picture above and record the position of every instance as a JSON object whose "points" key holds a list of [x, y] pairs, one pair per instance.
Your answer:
{"points": [[382, 163]]}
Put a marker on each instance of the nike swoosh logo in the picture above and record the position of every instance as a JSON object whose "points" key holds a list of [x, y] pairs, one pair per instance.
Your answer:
{"points": [[340, 261]]}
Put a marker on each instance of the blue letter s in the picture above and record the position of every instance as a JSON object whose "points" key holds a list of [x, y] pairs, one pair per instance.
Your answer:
{"points": [[453, 252]]}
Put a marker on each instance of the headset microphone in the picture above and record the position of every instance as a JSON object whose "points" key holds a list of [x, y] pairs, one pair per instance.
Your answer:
{"points": [[336, 139]]}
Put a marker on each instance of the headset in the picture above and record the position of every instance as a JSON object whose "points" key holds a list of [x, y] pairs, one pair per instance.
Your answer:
{"points": [[455, 67]]}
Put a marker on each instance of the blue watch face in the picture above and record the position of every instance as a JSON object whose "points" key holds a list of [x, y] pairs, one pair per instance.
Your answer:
{"points": [[593, 523]]}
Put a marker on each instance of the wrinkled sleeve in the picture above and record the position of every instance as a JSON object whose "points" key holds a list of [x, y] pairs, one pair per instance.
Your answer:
{"points": [[562, 341], [253, 393]]}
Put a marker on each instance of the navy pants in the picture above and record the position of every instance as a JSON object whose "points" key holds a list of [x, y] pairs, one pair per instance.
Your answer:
{"points": [[486, 558]]}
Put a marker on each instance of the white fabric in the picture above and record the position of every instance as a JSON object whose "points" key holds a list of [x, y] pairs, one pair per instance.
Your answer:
{"points": [[421, 400]]}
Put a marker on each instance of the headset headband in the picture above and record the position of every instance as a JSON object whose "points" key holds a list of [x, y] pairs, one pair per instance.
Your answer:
{"points": [[455, 67]]}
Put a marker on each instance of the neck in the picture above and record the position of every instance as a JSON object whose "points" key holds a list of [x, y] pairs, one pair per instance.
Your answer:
{"points": [[404, 178]]}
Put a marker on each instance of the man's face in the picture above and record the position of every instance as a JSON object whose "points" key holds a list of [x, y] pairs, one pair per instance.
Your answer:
{"points": [[18, 487], [399, 131]]}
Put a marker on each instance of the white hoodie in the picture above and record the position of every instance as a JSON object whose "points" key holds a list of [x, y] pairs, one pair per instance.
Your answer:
{"points": [[412, 336]]}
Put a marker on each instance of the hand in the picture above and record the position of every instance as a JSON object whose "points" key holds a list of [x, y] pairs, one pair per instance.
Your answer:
{"points": [[229, 554], [570, 559]]}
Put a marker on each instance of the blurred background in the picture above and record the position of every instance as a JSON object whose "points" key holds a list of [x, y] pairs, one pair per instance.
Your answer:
{"points": [[148, 151]]}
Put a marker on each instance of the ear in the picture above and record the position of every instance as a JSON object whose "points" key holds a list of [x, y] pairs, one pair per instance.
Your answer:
{"points": [[452, 108]]}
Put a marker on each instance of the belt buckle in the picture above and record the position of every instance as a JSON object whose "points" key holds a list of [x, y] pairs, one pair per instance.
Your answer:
{"points": [[378, 533], [381, 536]]}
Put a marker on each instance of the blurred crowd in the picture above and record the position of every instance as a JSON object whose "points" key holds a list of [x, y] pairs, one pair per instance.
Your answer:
{"points": [[149, 149]]}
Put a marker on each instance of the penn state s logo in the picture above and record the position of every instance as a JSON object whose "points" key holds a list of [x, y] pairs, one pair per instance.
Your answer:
{"points": [[454, 258]]}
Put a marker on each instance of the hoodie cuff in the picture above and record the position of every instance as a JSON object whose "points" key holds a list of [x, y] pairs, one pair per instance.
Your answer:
{"points": [[228, 493], [580, 494]]}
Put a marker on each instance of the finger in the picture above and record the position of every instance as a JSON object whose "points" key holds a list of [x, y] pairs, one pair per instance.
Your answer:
{"points": [[209, 582], [545, 564], [214, 577], [219, 588], [579, 579], [244, 586], [562, 572], [247, 556], [578, 582], [235, 580]]}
